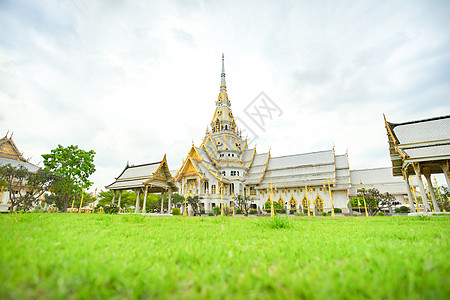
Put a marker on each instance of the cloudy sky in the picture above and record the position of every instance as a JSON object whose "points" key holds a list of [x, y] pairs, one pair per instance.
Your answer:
{"points": [[134, 80]]}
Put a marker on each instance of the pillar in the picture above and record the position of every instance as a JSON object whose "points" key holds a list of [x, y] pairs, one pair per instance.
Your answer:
{"points": [[445, 169], [113, 196], [423, 193], [145, 200], [162, 202], [412, 207], [432, 195], [120, 198], [168, 206], [136, 210]]}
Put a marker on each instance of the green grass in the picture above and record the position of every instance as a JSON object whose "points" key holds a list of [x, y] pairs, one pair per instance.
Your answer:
{"points": [[82, 256]]}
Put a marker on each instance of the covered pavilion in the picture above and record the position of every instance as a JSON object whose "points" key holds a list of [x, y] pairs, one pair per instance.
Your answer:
{"points": [[146, 178], [420, 147]]}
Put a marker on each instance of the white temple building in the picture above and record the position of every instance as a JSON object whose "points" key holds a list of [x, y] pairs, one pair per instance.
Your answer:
{"points": [[224, 166], [224, 159]]}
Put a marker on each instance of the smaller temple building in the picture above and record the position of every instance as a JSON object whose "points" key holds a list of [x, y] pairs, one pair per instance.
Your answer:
{"points": [[420, 148], [10, 154], [143, 179]]}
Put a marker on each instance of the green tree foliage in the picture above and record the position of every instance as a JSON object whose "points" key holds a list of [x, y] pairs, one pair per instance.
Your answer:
{"points": [[194, 201], [128, 198], [375, 200], [25, 187], [177, 200], [73, 166], [244, 203], [276, 205]]}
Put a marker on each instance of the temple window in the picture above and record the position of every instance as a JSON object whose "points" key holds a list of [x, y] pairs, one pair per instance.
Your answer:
{"points": [[213, 189], [252, 190], [233, 173], [224, 173]]}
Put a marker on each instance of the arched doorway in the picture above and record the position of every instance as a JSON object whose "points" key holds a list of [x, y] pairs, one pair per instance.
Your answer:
{"points": [[293, 203], [305, 203], [319, 203]]}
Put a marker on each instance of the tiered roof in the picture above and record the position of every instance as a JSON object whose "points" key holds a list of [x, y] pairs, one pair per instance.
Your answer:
{"points": [[418, 141], [10, 154]]}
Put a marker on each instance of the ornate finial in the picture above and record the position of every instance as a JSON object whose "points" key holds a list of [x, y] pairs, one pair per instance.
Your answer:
{"points": [[223, 85]]}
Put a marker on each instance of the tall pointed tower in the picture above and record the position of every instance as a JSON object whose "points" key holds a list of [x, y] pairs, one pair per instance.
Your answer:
{"points": [[223, 119], [219, 160], [224, 132]]}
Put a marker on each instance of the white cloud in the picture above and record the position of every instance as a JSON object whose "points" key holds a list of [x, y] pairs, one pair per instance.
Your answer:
{"points": [[135, 80]]}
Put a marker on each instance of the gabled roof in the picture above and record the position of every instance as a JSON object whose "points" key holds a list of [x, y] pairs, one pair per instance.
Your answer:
{"points": [[155, 174], [8, 149], [421, 131], [418, 141], [15, 163]]}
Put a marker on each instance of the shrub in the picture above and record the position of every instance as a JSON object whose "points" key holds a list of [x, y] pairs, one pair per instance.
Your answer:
{"points": [[278, 223], [397, 210], [216, 210], [252, 211], [202, 211], [282, 211], [337, 210], [381, 214], [176, 211], [238, 211], [210, 214], [324, 214], [111, 208], [292, 211], [404, 209], [226, 210]]}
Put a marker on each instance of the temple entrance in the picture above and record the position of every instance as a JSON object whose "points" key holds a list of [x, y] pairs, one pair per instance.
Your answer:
{"points": [[293, 203], [319, 203], [305, 204]]}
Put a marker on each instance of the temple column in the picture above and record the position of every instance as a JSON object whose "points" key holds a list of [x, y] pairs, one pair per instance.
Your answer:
{"points": [[145, 200], [113, 196], [445, 169], [432, 195], [423, 193], [136, 209], [412, 207], [168, 206], [120, 198], [162, 202]]}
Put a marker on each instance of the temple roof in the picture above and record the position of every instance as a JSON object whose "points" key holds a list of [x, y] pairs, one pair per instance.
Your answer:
{"points": [[155, 175], [418, 141], [8, 149], [380, 178], [16, 163]]}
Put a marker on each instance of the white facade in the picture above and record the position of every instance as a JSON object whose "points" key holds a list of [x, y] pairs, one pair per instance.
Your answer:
{"points": [[224, 159]]}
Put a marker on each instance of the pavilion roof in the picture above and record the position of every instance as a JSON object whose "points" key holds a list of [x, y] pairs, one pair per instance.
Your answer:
{"points": [[425, 140], [154, 174]]}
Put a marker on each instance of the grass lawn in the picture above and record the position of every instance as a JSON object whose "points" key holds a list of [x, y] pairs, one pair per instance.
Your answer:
{"points": [[83, 256]]}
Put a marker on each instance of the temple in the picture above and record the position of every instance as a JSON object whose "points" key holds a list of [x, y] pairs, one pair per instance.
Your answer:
{"points": [[419, 149], [224, 166], [10, 155]]}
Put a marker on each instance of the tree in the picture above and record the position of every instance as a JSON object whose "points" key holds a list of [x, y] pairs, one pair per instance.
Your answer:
{"points": [[25, 187], [375, 201], [74, 166], [244, 203], [177, 200], [127, 199], [194, 201]]}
